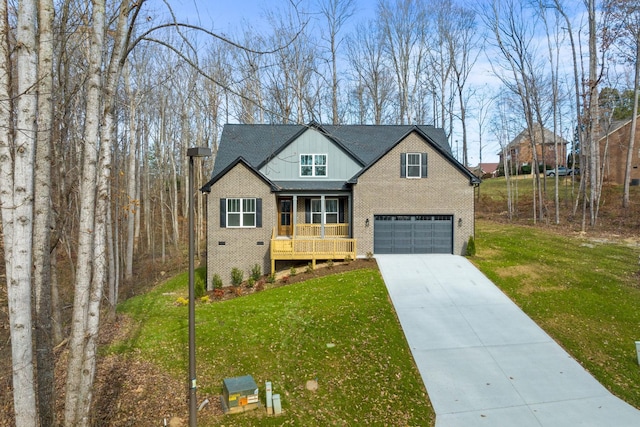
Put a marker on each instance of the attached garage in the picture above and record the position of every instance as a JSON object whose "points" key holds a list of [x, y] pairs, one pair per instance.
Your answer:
{"points": [[413, 234]]}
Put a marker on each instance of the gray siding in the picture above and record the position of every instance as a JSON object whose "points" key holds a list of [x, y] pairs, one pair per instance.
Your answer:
{"points": [[286, 166]]}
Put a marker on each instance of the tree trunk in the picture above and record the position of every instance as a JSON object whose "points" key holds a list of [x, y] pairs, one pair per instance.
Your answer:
{"points": [[76, 375], [634, 120], [594, 149], [17, 151], [131, 180], [42, 220]]}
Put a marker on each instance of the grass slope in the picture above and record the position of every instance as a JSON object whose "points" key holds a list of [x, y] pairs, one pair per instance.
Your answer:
{"points": [[281, 335], [584, 293]]}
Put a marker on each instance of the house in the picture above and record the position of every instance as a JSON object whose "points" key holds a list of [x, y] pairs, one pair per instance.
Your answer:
{"points": [[486, 170], [315, 192], [614, 146], [519, 151]]}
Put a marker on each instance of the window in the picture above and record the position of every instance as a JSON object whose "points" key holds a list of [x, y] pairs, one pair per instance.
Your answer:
{"points": [[313, 165], [413, 165], [330, 211], [241, 212]]}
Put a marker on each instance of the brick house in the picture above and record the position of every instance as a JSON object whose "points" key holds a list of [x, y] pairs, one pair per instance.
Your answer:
{"points": [[315, 192], [519, 151], [614, 146]]}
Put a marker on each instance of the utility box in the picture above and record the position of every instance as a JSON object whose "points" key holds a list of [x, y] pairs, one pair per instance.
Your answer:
{"points": [[239, 394]]}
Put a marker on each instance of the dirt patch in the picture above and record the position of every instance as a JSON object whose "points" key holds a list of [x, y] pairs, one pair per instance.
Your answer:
{"points": [[531, 276]]}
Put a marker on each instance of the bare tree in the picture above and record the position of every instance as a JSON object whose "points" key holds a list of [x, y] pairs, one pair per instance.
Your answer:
{"points": [[43, 219], [404, 26], [336, 14], [462, 41], [593, 171], [513, 37], [17, 153], [371, 73]]}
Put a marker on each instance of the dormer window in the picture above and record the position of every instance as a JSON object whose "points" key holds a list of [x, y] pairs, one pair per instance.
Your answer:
{"points": [[313, 165]]}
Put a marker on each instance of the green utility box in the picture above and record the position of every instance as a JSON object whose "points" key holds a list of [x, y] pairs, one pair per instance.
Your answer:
{"points": [[239, 394]]}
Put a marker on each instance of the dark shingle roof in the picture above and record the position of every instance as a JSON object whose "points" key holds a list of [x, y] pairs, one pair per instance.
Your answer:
{"points": [[257, 144]]}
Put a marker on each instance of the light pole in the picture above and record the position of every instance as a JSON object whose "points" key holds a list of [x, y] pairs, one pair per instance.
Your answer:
{"points": [[193, 403]]}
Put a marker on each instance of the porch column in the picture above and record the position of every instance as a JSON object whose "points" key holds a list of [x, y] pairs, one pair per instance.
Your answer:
{"points": [[322, 216], [350, 215], [294, 220]]}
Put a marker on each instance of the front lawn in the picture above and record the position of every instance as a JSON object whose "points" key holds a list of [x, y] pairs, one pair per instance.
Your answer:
{"points": [[340, 330]]}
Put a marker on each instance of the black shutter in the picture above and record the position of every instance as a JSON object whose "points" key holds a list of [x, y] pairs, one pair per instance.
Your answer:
{"points": [[423, 171], [307, 211], [403, 165], [223, 213], [341, 211], [258, 213]]}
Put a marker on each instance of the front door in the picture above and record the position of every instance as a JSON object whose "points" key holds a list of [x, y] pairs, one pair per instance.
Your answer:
{"points": [[285, 207]]}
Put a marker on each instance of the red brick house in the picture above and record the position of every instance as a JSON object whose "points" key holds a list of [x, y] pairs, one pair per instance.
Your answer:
{"points": [[519, 151], [614, 147]]}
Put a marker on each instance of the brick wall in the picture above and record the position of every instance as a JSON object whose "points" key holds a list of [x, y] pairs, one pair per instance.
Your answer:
{"points": [[241, 247], [445, 191], [614, 151]]}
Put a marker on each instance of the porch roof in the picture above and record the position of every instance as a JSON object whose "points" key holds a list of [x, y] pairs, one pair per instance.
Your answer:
{"points": [[312, 185]]}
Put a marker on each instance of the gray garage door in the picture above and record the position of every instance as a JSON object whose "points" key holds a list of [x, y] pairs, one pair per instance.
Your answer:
{"points": [[413, 234]]}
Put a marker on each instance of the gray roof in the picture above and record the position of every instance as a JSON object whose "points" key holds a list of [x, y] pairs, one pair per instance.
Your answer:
{"points": [[256, 144]]}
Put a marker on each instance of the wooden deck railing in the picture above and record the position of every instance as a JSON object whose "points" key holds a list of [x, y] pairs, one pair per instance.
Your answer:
{"points": [[314, 230], [309, 248]]}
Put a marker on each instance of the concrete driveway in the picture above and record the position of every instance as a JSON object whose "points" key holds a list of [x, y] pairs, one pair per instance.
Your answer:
{"points": [[482, 360]]}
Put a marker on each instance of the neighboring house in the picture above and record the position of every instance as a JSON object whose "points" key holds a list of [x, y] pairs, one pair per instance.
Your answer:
{"points": [[614, 146], [519, 152], [486, 170], [315, 192]]}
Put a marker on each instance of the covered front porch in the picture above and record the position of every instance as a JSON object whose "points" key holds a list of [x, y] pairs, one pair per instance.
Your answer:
{"points": [[313, 227]]}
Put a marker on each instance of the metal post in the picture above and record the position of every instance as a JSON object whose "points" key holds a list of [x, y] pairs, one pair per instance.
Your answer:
{"points": [[193, 403]]}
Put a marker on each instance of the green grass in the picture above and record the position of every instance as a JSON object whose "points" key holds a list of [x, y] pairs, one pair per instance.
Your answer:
{"points": [[281, 335], [584, 293]]}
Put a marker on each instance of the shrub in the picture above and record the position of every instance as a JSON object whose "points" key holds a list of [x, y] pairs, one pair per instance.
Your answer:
{"points": [[271, 278], [348, 259], [237, 276], [293, 271], [256, 272], [369, 256], [204, 299], [199, 288], [251, 282], [471, 246], [285, 279], [218, 293], [182, 301], [309, 268], [260, 285], [216, 281], [329, 263]]}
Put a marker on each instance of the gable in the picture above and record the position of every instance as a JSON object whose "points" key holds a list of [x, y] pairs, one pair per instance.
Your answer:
{"points": [[393, 160], [286, 164], [441, 172]]}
